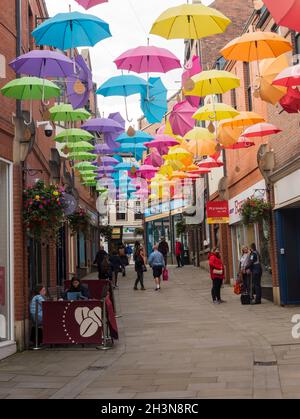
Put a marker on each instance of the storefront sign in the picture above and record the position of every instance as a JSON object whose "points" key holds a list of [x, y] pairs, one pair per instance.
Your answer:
{"points": [[258, 191], [287, 190], [117, 233], [2, 285], [217, 212]]}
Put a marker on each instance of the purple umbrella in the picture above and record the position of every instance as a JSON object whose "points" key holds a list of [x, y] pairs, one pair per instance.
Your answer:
{"points": [[80, 85], [103, 125], [43, 63], [107, 161], [111, 137], [103, 149]]}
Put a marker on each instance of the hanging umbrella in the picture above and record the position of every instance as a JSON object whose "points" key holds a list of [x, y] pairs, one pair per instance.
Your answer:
{"points": [[229, 135], [84, 166], [154, 159], [260, 130], [181, 118], [123, 86], [289, 77], [124, 166], [215, 112], [210, 163], [81, 146], [177, 153], [244, 119], [66, 113], [255, 46], [80, 84], [71, 30], [291, 101], [162, 143], [103, 125], [154, 101], [147, 171], [269, 70], [189, 21], [212, 82], [241, 144], [202, 142], [73, 135], [148, 59], [81, 156], [202, 171], [285, 13], [193, 67], [107, 161], [110, 137], [103, 149], [139, 137], [87, 4], [43, 63], [30, 88], [135, 150]]}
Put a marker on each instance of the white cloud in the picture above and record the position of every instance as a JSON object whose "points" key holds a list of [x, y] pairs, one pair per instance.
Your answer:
{"points": [[130, 22]]}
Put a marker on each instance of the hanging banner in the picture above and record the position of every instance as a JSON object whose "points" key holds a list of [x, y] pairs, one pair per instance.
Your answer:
{"points": [[217, 212]]}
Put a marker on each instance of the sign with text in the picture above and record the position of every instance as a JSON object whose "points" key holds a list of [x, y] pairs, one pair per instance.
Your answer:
{"points": [[217, 212], [2, 285]]}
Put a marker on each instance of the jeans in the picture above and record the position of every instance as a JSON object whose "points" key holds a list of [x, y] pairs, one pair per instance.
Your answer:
{"points": [[257, 286], [216, 289], [179, 261], [140, 278]]}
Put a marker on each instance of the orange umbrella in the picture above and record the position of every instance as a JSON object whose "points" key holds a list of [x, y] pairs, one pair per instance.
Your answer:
{"points": [[228, 135], [256, 46], [202, 142], [244, 119], [269, 70]]}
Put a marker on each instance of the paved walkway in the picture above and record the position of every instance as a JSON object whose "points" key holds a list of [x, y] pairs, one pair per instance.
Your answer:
{"points": [[173, 344]]}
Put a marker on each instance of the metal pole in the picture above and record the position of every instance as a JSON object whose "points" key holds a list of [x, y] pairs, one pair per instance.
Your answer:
{"points": [[18, 6], [106, 339]]}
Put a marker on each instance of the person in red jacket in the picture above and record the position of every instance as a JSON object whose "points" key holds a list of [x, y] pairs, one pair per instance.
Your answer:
{"points": [[178, 251], [217, 274]]}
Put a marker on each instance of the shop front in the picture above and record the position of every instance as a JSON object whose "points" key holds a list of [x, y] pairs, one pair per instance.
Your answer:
{"points": [[287, 215], [245, 235], [7, 345]]}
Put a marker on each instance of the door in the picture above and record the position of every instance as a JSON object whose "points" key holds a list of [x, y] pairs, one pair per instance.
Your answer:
{"points": [[288, 237]]}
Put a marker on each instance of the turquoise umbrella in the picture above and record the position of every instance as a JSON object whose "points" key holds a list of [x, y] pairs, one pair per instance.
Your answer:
{"points": [[154, 102], [139, 137]]}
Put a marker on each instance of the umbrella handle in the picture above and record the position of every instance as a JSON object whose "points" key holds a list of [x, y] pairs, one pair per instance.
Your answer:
{"points": [[126, 109], [46, 103], [30, 112]]}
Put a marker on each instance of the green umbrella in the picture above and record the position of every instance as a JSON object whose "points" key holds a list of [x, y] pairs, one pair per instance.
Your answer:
{"points": [[31, 88], [91, 184], [73, 135], [85, 166], [81, 156], [66, 113], [81, 146]]}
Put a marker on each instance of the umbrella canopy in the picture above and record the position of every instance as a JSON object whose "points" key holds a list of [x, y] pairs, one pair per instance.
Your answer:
{"points": [[210, 163], [154, 159], [103, 125], [148, 59], [134, 149], [103, 149], [87, 4], [260, 130], [109, 138], [193, 67], [81, 156], [70, 30], [181, 118], [229, 135], [43, 63], [30, 88], [190, 21], [244, 119], [177, 153], [123, 86], [73, 135], [289, 77], [80, 85], [162, 143], [154, 101], [255, 46], [66, 113], [126, 166], [241, 144], [147, 171], [202, 142], [291, 101], [212, 82], [84, 166], [107, 161], [269, 70], [215, 112], [80, 146], [139, 137], [285, 13]]}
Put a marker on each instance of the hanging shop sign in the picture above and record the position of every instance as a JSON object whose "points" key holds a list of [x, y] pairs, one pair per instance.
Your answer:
{"points": [[217, 212]]}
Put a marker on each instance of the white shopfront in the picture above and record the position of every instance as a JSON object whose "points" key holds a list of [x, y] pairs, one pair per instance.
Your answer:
{"points": [[247, 234], [7, 345]]}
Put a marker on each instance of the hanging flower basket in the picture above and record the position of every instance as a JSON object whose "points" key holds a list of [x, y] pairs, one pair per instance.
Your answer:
{"points": [[79, 221], [255, 210], [43, 211]]}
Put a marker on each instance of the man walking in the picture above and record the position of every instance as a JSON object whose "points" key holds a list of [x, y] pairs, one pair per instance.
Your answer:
{"points": [[256, 271], [157, 263], [163, 248]]}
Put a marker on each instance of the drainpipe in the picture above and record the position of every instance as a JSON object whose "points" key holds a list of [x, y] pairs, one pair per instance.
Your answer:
{"points": [[18, 47]]}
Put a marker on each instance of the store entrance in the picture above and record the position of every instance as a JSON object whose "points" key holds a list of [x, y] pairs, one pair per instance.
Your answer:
{"points": [[288, 236]]}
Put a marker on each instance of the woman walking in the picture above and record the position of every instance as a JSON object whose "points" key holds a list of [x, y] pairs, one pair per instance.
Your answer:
{"points": [[157, 263], [217, 275], [140, 268], [116, 265], [244, 272]]}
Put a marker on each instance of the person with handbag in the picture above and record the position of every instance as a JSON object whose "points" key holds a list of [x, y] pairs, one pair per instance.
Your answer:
{"points": [[244, 272], [217, 272], [140, 268]]}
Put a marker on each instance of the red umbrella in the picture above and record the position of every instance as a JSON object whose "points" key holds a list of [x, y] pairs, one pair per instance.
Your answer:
{"points": [[87, 4], [291, 101], [242, 143], [261, 130], [181, 118], [289, 77], [202, 171], [210, 163], [285, 12]]}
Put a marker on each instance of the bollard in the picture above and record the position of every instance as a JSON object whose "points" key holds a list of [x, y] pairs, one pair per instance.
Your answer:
{"points": [[106, 338], [36, 347]]}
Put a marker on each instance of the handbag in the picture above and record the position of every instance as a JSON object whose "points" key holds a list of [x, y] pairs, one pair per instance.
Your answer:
{"points": [[165, 275], [237, 288], [218, 271]]}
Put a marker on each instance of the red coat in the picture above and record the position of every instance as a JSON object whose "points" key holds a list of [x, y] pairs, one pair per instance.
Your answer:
{"points": [[178, 248], [215, 263]]}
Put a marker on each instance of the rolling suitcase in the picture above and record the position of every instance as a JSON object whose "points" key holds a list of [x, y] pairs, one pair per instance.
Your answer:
{"points": [[246, 297]]}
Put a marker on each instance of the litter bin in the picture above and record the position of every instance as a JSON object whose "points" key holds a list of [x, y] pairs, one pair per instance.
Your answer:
{"points": [[186, 257]]}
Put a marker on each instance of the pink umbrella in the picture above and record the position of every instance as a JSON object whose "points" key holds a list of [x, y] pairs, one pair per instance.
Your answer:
{"points": [[181, 118], [291, 101], [193, 67], [148, 59], [87, 4], [162, 143], [285, 13], [261, 130], [210, 163], [289, 77], [147, 172], [242, 143], [154, 159]]}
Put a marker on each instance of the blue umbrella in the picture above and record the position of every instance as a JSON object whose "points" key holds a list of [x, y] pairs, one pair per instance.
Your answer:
{"points": [[125, 166], [71, 30], [135, 149], [154, 102], [139, 137]]}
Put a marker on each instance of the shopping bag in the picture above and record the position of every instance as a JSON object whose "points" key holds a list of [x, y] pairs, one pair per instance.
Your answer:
{"points": [[165, 274], [237, 288]]}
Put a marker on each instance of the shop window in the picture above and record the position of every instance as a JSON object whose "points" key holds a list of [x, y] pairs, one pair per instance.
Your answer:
{"points": [[121, 211]]}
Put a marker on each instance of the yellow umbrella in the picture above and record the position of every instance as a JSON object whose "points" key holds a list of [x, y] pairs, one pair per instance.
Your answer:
{"points": [[202, 142], [215, 112], [212, 82], [269, 69], [244, 119], [256, 46], [177, 153], [228, 135], [190, 21]]}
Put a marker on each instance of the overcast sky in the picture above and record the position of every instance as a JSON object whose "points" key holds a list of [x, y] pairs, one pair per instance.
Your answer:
{"points": [[130, 22]]}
